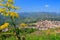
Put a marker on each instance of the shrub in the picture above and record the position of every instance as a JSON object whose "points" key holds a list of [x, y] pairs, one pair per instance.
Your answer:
{"points": [[27, 30]]}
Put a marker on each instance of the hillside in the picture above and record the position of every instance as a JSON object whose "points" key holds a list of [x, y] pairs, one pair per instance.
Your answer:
{"points": [[36, 16], [31, 17]]}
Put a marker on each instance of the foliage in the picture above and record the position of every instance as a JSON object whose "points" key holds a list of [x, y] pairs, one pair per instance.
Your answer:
{"points": [[27, 30], [33, 17], [7, 9], [43, 36]]}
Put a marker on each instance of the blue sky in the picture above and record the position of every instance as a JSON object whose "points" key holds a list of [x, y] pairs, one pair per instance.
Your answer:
{"points": [[38, 5]]}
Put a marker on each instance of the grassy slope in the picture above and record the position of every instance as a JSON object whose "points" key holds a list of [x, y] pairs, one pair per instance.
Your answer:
{"points": [[38, 35]]}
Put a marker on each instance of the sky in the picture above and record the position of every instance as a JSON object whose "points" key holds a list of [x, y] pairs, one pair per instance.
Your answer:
{"points": [[38, 5]]}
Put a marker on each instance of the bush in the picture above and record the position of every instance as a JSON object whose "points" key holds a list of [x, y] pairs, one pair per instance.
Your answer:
{"points": [[27, 30]]}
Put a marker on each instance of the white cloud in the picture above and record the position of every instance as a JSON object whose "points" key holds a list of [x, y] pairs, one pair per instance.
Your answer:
{"points": [[46, 5]]}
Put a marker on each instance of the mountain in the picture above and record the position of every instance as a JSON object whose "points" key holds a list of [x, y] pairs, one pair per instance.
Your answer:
{"points": [[35, 16], [31, 17]]}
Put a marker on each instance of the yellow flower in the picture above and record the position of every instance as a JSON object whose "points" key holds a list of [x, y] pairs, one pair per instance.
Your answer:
{"points": [[23, 25], [10, 0], [12, 7], [4, 26], [2, 10], [7, 14], [13, 14], [8, 4], [16, 15]]}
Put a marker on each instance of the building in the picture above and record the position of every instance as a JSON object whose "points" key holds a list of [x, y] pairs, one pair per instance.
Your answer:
{"points": [[44, 25]]}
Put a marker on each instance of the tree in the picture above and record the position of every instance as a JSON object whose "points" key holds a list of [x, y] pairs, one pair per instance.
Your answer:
{"points": [[7, 9]]}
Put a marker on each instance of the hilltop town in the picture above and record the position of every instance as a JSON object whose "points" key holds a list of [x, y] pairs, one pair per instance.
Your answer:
{"points": [[44, 25]]}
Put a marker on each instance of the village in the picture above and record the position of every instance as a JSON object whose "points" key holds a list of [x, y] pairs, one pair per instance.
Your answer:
{"points": [[44, 25]]}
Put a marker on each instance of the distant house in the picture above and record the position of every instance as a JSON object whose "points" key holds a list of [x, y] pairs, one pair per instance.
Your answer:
{"points": [[44, 25]]}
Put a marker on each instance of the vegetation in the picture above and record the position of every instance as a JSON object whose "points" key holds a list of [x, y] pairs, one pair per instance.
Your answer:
{"points": [[33, 17], [33, 34], [6, 10], [14, 27]]}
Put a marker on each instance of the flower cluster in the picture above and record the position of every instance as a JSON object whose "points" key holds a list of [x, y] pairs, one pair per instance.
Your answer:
{"points": [[4, 26], [23, 25], [10, 1], [2, 10], [8, 4], [7, 10], [13, 14]]}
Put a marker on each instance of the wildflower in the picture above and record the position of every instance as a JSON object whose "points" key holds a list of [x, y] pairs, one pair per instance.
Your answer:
{"points": [[4, 26], [8, 4], [10, 0], [13, 14], [7, 14], [23, 25], [2, 10], [12, 7]]}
